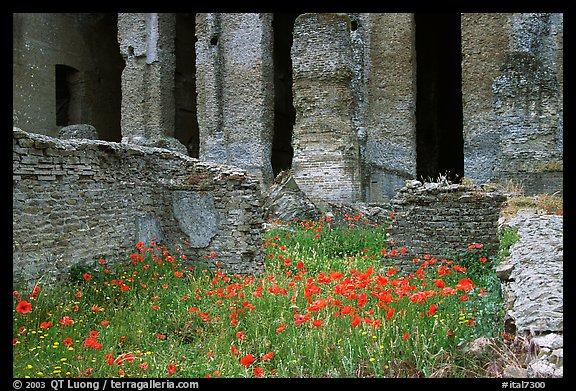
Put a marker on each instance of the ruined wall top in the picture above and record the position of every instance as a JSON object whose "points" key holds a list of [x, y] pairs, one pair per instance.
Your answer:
{"points": [[438, 218]]}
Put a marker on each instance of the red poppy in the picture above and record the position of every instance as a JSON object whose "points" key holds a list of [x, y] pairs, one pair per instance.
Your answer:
{"points": [[87, 276], [432, 309], [23, 307], [301, 318], [171, 369], [66, 320], [317, 323], [247, 360], [389, 314], [92, 342], [281, 328], [68, 342], [465, 284], [234, 350], [258, 372], [35, 292], [406, 336], [268, 356], [392, 271], [45, 325], [318, 304]]}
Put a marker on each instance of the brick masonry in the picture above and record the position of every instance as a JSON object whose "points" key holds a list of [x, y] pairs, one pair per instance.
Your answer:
{"points": [[78, 200], [433, 218]]}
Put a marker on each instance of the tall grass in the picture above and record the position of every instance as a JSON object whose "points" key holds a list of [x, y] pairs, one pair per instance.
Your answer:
{"points": [[328, 305]]}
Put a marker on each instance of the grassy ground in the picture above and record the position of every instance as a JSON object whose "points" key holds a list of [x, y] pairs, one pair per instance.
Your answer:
{"points": [[328, 305]]}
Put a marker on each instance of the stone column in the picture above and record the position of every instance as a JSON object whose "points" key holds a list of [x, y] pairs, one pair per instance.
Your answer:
{"points": [[234, 79], [512, 96], [147, 46], [484, 39], [528, 105], [390, 100], [326, 164]]}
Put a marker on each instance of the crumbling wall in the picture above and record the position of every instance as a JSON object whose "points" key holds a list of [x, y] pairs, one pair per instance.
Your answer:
{"points": [[436, 218], [75, 200], [326, 163]]}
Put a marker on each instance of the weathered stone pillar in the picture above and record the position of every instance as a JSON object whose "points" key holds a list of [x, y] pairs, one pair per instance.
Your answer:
{"points": [[147, 46], [390, 104], [512, 99], [528, 104], [234, 80], [326, 164], [483, 41]]}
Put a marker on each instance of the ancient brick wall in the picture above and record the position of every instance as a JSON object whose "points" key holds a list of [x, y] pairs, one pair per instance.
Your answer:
{"points": [[433, 218], [76, 200]]}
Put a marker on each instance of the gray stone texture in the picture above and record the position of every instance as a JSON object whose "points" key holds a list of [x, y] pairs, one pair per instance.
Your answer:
{"points": [[390, 100], [196, 215], [533, 290], [285, 201], [326, 164], [512, 91], [78, 131], [360, 65], [484, 41], [147, 47], [234, 75], [74, 200]]}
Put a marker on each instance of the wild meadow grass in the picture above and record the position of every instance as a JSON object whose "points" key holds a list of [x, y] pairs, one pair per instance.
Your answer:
{"points": [[330, 303]]}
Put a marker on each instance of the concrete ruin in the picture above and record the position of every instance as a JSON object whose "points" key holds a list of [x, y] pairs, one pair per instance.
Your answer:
{"points": [[355, 104]]}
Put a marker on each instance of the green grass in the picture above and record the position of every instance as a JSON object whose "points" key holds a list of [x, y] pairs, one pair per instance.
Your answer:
{"points": [[328, 305]]}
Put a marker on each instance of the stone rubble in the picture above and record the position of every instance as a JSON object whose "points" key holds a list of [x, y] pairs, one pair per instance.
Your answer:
{"points": [[532, 286]]}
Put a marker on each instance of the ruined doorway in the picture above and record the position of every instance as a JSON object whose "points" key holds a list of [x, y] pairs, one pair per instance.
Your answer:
{"points": [[186, 121], [439, 137], [67, 94], [284, 112]]}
